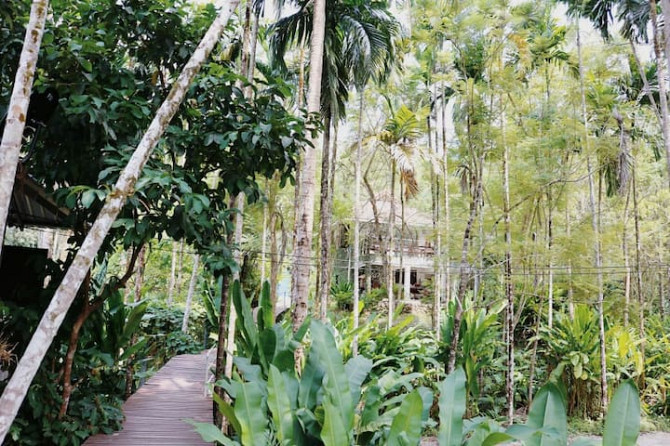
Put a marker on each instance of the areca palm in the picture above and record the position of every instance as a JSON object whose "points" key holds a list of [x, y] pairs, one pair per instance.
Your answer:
{"points": [[359, 44], [397, 140], [635, 16]]}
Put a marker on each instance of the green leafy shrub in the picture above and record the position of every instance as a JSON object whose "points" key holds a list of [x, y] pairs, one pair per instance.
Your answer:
{"points": [[547, 423], [342, 294], [331, 403]]}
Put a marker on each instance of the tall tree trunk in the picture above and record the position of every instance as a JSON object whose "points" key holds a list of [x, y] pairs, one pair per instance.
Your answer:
{"points": [[17, 387], [437, 265], [72, 346], [191, 291], [173, 274], [391, 249], [596, 235], [571, 303], [464, 267], [464, 274], [180, 268], [137, 296], [12, 137], [638, 268], [447, 205], [550, 263], [404, 281], [331, 193], [626, 261], [659, 42], [509, 294], [232, 314], [357, 218], [305, 204], [264, 237], [296, 190], [323, 284], [246, 64], [276, 255], [379, 231], [89, 308], [220, 367]]}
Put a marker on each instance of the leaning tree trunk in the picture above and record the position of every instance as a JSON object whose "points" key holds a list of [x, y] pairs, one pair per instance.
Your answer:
{"points": [[10, 147], [73, 344], [191, 291], [596, 235], [17, 387], [305, 205]]}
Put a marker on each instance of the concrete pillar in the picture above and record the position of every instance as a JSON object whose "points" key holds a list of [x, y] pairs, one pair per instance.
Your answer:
{"points": [[408, 275]]}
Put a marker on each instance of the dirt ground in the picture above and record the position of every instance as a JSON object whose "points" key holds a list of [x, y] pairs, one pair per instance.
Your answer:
{"points": [[645, 439]]}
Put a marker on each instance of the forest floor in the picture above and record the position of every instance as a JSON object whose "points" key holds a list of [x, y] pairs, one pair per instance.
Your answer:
{"points": [[645, 439]]}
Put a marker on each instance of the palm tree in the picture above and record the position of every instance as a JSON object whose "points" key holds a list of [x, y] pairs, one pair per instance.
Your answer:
{"points": [[305, 205], [397, 138], [635, 16], [359, 42]]}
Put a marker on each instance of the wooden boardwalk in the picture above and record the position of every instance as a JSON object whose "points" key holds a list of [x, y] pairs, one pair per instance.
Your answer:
{"points": [[155, 414]]}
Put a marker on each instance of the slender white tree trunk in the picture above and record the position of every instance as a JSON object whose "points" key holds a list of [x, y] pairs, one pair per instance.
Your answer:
{"points": [[391, 248], [232, 318], [571, 303], [264, 241], [10, 148], [638, 266], [659, 44], [357, 217], [191, 291], [596, 234], [305, 205], [550, 263], [17, 387], [323, 276], [435, 204], [173, 274], [447, 206], [509, 294], [626, 261]]}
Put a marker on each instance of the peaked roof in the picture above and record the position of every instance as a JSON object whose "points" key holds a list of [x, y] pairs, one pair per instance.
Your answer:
{"points": [[32, 206]]}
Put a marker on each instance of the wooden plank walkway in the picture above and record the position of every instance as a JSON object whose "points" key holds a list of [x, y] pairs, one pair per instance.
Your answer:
{"points": [[155, 414]]}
